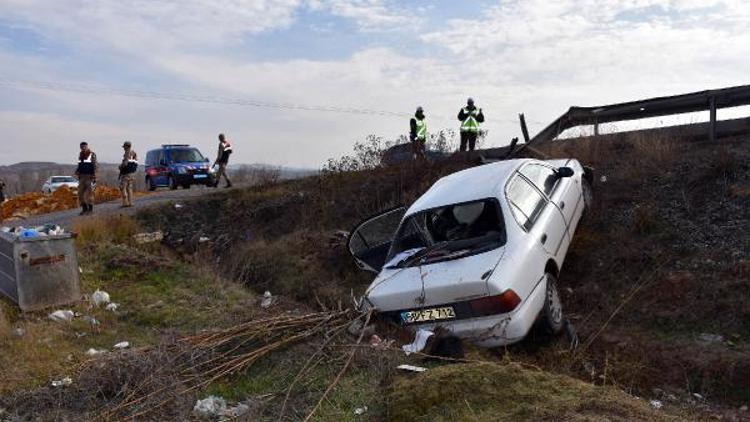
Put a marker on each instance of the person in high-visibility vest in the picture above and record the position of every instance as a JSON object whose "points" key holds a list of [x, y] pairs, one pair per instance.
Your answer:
{"points": [[470, 118], [418, 133]]}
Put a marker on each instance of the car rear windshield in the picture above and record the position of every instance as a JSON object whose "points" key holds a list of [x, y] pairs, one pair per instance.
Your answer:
{"points": [[448, 232], [63, 179], [187, 155]]}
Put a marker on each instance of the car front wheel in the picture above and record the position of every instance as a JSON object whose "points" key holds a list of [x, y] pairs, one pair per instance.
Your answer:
{"points": [[551, 316], [172, 183]]}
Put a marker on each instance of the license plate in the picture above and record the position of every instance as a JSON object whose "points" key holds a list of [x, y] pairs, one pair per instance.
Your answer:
{"points": [[433, 314], [199, 176]]}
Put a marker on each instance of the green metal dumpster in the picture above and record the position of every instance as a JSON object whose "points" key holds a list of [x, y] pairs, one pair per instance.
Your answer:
{"points": [[39, 272]]}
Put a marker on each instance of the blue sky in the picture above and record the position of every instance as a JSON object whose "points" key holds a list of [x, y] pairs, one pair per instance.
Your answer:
{"points": [[532, 56]]}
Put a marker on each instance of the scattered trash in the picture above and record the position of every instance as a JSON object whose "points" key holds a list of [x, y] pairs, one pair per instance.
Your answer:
{"points": [[411, 368], [62, 315], [122, 345], [18, 332], [178, 206], [91, 321], [214, 406], [360, 410], [710, 338], [420, 341], [378, 343], [603, 179], [81, 334], [267, 300], [698, 396], [142, 238], [656, 404], [32, 232], [112, 307], [94, 352], [743, 408], [99, 298], [63, 382], [203, 239]]}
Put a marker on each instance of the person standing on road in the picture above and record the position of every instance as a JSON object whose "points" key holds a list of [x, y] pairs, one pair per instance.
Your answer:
{"points": [[2, 191], [418, 133], [470, 118], [86, 173], [222, 159], [128, 167]]}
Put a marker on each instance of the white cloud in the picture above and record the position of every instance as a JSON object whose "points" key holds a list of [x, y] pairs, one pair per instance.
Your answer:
{"points": [[369, 15]]}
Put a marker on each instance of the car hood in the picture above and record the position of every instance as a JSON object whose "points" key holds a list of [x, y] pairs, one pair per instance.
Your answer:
{"points": [[433, 284]]}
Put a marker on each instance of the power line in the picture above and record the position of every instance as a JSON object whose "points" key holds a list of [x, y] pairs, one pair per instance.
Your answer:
{"points": [[207, 99]]}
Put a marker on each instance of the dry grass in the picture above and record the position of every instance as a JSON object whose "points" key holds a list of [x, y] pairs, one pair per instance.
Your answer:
{"points": [[108, 228]]}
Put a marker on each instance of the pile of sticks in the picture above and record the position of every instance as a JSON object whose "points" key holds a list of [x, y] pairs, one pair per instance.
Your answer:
{"points": [[207, 357]]}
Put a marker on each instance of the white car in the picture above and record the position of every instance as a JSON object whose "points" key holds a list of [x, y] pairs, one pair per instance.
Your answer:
{"points": [[479, 252], [55, 182]]}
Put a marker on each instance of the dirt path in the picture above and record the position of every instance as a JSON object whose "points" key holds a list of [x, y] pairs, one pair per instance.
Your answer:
{"points": [[65, 218]]}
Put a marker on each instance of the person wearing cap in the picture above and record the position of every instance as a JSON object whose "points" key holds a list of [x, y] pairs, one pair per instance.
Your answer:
{"points": [[418, 133], [470, 118], [222, 160], [86, 173], [128, 167]]}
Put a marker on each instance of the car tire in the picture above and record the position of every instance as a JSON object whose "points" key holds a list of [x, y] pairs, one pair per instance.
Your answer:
{"points": [[151, 185], [172, 183], [551, 316], [588, 195]]}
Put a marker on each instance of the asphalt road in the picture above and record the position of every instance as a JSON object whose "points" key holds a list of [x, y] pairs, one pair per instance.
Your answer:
{"points": [[66, 218]]}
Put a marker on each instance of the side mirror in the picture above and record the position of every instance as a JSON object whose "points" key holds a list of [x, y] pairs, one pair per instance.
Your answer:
{"points": [[565, 172]]}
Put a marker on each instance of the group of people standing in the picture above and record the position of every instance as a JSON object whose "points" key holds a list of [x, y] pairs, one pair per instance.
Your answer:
{"points": [[88, 167], [470, 117]]}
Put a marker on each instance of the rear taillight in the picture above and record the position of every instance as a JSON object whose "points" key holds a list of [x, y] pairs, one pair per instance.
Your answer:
{"points": [[492, 305]]}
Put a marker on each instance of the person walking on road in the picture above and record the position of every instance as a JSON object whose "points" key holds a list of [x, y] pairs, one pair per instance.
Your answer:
{"points": [[470, 118], [86, 173], [418, 133], [222, 159], [128, 167]]}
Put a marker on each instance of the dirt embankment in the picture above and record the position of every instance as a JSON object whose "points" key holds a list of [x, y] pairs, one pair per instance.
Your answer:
{"points": [[653, 281], [36, 203]]}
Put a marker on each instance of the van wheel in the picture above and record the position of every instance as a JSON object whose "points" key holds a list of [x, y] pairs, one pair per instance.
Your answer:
{"points": [[151, 185], [172, 183], [551, 316]]}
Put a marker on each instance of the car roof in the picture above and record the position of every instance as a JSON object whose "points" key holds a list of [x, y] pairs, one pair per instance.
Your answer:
{"points": [[467, 185]]}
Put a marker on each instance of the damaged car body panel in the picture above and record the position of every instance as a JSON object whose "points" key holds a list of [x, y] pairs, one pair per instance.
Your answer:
{"points": [[478, 253]]}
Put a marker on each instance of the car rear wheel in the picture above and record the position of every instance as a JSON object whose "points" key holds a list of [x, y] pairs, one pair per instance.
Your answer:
{"points": [[551, 316]]}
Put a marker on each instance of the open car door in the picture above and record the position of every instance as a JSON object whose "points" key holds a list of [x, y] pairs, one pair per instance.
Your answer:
{"points": [[370, 241]]}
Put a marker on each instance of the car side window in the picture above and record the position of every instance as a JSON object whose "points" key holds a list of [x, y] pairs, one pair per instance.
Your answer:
{"points": [[150, 158], [543, 177], [525, 201]]}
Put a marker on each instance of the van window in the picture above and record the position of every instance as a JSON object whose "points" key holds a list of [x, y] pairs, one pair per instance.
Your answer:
{"points": [[151, 158], [525, 201]]}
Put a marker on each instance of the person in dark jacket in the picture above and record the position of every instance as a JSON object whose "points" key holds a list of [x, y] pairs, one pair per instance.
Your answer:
{"points": [[418, 133], [470, 118], [128, 167], [2, 191], [86, 172], [222, 159]]}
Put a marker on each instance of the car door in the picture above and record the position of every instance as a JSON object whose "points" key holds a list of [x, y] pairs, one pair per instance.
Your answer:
{"points": [[539, 217], [561, 191], [370, 241]]}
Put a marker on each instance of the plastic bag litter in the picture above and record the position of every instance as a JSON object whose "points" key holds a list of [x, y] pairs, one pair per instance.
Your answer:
{"points": [[91, 321], [411, 368], [213, 406], [122, 345], [360, 410], [203, 239], [63, 382], [62, 315], [112, 307], [99, 298], [420, 341], [267, 300], [94, 352], [142, 238], [656, 404]]}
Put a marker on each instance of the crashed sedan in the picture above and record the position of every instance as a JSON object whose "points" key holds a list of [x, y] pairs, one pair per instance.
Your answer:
{"points": [[479, 253]]}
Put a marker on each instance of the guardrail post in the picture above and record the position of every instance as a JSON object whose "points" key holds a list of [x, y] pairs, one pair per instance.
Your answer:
{"points": [[524, 129], [712, 119]]}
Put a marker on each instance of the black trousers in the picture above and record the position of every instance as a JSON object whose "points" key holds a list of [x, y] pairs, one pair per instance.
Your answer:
{"points": [[470, 138]]}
